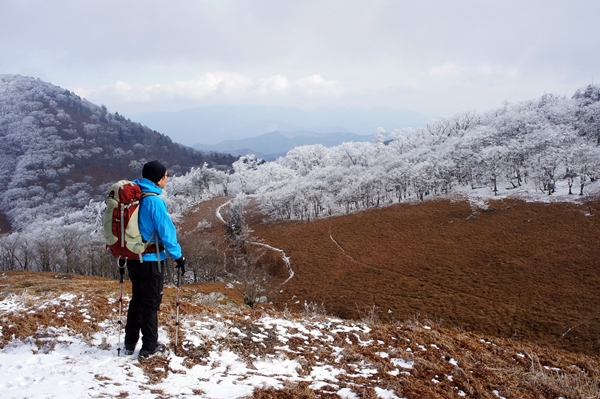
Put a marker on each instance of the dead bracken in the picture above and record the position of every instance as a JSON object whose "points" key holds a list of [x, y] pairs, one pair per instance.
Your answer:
{"points": [[303, 356]]}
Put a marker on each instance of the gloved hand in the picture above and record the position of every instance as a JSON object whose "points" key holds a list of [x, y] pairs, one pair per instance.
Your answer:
{"points": [[122, 264], [180, 264]]}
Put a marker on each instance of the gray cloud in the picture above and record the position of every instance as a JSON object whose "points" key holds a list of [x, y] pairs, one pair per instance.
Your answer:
{"points": [[436, 57]]}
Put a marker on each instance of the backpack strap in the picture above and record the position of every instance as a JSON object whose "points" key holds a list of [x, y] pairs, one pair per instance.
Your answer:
{"points": [[154, 235], [147, 194], [158, 254]]}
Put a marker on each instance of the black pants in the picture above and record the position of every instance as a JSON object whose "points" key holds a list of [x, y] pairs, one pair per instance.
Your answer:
{"points": [[147, 290]]}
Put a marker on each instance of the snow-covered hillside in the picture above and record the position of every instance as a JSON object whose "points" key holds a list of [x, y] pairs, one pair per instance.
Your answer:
{"points": [[59, 151], [542, 148]]}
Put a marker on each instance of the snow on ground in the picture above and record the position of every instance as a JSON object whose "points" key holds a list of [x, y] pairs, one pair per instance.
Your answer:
{"points": [[64, 345], [223, 357], [528, 192]]}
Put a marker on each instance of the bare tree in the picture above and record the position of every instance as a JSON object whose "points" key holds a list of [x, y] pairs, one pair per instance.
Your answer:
{"points": [[250, 275], [204, 259], [46, 252]]}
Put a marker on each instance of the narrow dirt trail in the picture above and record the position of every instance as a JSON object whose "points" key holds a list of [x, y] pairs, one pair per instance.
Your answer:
{"points": [[337, 244], [286, 259], [218, 211]]}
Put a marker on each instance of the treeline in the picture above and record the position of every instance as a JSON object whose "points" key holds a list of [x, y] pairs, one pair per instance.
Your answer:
{"points": [[70, 244], [535, 143], [74, 249], [74, 242]]}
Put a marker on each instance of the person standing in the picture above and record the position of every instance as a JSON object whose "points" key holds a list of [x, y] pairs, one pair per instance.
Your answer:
{"points": [[147, 276]]}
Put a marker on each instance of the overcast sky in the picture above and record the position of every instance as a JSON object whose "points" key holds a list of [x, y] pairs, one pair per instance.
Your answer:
{"points": [[438, 57]]}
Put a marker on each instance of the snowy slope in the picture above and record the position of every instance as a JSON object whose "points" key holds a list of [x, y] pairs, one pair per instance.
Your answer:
{"points": [[59, 340]]}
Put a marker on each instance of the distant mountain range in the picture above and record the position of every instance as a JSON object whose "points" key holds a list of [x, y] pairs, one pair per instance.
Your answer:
{"points": [[274, 144], [212, 125]]}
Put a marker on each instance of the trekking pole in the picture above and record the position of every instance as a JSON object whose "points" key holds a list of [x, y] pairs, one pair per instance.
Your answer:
{"points": [[179, 275], [120, 322]]}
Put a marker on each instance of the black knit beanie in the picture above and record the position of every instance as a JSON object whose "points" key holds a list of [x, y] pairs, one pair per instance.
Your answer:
{"points": [[154, 171]]}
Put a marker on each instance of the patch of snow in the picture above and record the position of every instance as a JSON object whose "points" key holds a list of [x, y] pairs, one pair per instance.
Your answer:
{"points": [[405, 364], [347, 393], [386, 393]]}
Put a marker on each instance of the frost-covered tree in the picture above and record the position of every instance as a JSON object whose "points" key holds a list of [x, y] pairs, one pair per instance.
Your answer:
{"points": [[59, 151], [537, 141]]}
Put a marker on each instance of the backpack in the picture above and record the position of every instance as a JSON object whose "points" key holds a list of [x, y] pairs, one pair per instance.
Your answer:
{"points": [[120, 221]]}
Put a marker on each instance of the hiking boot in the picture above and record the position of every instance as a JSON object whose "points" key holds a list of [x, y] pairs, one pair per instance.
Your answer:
{"points": [[159, 350], [128, 351]]}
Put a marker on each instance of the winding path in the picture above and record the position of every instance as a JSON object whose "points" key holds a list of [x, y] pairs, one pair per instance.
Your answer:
{"points": [[285, 258], [218, 211], [340, 247]]}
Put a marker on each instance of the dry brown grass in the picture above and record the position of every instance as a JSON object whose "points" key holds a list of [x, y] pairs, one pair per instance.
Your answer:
{"points": [[451, 364], [80, 312], [442, 362], [522, 270], [90, 301]]}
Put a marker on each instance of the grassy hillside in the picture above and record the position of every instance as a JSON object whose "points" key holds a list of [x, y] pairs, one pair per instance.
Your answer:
{"points": [[520, 270]]}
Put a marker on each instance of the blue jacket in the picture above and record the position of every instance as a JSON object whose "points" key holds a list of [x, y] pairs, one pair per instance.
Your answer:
{"points": [[153, 217]]}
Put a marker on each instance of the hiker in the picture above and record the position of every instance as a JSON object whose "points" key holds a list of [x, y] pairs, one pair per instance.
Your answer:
{"points": [[147, 276]]}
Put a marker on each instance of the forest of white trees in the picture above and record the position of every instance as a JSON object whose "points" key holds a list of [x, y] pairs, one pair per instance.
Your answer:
{"points": [[58, 150], [536, 143]]}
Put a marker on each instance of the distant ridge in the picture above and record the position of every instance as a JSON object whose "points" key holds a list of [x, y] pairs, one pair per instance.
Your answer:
{"points": [[270, 145], [216, 123]]}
